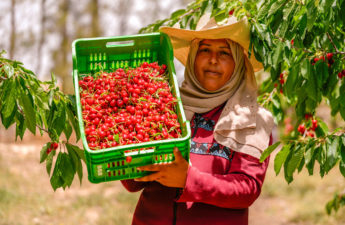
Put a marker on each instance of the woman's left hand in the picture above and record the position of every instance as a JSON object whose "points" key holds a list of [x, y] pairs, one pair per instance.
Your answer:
{"points": [[173, 174]]}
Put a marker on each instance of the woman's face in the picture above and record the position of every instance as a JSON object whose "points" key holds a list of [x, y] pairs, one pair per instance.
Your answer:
{"points": [[213, 64]]}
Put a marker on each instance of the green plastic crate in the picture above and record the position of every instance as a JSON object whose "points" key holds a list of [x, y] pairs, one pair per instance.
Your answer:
{"points": [[109, 53]]}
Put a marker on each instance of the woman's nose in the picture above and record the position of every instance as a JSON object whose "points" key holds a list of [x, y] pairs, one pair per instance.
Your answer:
{"points": [[213, 58]]}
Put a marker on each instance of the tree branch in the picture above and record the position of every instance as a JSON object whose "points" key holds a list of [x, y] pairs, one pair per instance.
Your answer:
{"points": [[331, 40]]}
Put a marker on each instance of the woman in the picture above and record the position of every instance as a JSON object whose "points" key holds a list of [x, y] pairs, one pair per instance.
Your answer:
{"points": [[229, 133]]}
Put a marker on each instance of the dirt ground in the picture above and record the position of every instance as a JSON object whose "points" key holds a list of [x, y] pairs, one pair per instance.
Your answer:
{"points": [[26, 196]]}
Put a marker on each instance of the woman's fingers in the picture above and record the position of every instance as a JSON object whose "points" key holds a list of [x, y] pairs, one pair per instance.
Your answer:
{"points": [[151, 177], [154, 167], [178, 155]]}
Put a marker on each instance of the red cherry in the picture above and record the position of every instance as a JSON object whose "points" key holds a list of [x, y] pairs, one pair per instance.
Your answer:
{"points": [[310, 134], [329, 56], [301, 128], [314, 124], [231, 12], [282, 81], [307, 116], [54, 145], [340, 75]]}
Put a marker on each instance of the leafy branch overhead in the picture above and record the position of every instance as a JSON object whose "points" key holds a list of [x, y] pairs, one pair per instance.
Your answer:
{"points": [[302, 46], [33, 105]]}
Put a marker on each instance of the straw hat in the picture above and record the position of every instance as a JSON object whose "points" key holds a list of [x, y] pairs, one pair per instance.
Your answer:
{"points": [[207, 28]]}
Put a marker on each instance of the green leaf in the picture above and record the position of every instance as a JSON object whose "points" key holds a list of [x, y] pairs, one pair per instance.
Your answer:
{"points": [[302, 26], [321, 74], [43, 153], [342, 168], [275, 7], [332, 153], [315, 156], [80, 152], [49, 162], [268, 151], [291, 82], [287, 11], [9, 70], [342, 112], [20, 125], [277, 56], [264, 10], [322, 158], [63, 172], [322, 129], [8, 121], [276, 101], [301, 164], [329, 3], [77, 166], [281, 157], [59, 118], [330, 205], [68, 130], [312, 15], [54, 81], [177, 13], [221, 17], [305, 69], [310, 156], [283, 28], [311, 86], [56, 179], [51, 97], [73, 119], [29, 111], [9, 98], [342, 150], [292, 162]]}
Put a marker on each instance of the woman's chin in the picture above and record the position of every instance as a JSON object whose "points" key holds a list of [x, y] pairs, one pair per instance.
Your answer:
{"points": [[211, 87]]}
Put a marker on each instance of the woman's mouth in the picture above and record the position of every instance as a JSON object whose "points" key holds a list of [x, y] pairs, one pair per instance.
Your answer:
{"points": [[212, 73]]}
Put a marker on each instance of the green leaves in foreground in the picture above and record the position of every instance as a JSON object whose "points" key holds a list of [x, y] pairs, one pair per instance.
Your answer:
{"points": [[35, 105], [337, 202], [67, 164], [294, 155]]}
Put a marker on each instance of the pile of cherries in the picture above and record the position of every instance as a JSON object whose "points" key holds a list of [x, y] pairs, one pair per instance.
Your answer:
{"points": [[128, 106]]}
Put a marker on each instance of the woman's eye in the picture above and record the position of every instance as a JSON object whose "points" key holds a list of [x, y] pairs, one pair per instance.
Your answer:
{"points": [[224, 53], [204, 50]]}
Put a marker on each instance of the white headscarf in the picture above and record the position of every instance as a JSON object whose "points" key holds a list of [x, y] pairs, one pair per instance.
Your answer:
{"points": [[243, 125]]}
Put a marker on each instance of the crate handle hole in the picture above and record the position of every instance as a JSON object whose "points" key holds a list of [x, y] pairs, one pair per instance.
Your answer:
{"points": [[119, 43]]}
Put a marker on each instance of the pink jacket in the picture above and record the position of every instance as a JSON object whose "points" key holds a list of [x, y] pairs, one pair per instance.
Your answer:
{"points": [[221, 184]]}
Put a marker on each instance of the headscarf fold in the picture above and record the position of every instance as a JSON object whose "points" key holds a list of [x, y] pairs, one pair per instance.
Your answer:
{"points": [[243, 125]]}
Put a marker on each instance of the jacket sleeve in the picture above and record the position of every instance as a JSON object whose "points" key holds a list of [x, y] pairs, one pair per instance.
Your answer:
{"points": [[237, 189], [133, 186]]}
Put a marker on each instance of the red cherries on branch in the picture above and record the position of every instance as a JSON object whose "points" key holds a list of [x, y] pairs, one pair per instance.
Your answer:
{"points": [[53, 146], [308, 130]]}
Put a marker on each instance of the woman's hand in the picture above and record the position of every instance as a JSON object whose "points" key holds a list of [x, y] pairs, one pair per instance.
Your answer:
{"points": [[173, 174]]}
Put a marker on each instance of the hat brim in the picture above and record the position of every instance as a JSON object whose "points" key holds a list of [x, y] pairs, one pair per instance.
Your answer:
{"points": [[238, 32]]}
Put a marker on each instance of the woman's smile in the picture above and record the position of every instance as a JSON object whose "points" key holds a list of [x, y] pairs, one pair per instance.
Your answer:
{"points": [[212, 73]]}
